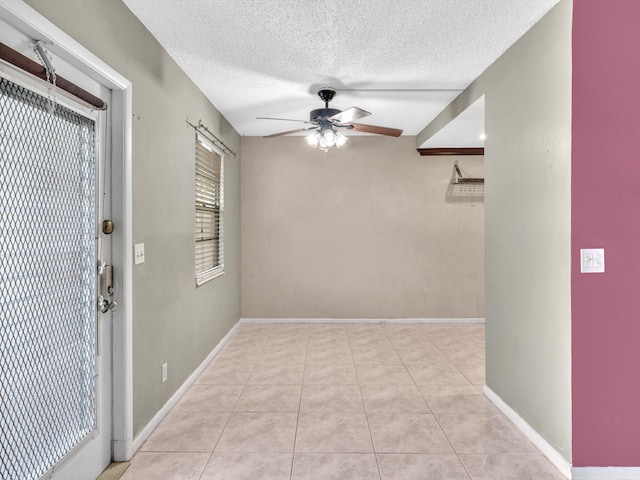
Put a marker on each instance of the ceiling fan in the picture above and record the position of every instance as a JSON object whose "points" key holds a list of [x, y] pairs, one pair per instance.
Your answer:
{"points": [[326, 121]]}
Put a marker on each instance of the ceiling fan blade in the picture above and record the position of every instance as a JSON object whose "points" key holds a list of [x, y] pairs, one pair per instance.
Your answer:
{"points": [[391, 132], [285, 119], [289, 131], [349, 115]]}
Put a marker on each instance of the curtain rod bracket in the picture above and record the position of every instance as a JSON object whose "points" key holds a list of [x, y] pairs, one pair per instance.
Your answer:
{"points": [[50, 72], [203, 130], [42, 53]]}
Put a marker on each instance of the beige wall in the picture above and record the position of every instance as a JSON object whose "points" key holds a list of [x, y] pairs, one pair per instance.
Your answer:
{"points": [[173, 321], [360, 232], [528, 224]]}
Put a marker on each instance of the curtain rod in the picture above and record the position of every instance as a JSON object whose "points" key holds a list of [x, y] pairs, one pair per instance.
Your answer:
{"points": [[15, 58], [203, 130]]}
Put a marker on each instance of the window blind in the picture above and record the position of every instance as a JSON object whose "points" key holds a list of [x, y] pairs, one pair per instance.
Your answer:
{"points": [[209, 203]]}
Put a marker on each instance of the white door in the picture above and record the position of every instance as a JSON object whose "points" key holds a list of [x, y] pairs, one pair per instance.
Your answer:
{"points": [[55, 345]]}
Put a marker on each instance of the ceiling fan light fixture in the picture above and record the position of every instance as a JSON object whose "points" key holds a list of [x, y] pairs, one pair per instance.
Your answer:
{"points": [[313, 139], [326, 138], [325, 120], [322, 145], [329, 137]]}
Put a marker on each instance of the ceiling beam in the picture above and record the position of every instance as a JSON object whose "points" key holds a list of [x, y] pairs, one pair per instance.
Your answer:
{"points": [[425, 152]]}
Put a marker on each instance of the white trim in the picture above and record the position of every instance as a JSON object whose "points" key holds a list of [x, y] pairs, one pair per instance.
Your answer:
{"points": [[463, 321], [175, 398], [30, 22], [527, 430], [122, 244], [208, 275], [606, 473]]}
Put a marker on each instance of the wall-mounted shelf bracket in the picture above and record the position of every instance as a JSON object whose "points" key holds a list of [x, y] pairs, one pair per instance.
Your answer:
{"points": [[459, 179]]}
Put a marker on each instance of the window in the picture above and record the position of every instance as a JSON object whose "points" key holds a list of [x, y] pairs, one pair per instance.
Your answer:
{"points": [[209, 211]]}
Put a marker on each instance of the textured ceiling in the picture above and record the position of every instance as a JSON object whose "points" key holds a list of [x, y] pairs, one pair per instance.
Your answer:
{"points": [[402, 60]]}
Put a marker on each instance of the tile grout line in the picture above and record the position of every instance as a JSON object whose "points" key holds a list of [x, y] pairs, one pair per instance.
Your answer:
{"points": [[431, 410], [453, 448], [230, 413], [366, 415], [445, 435], [436, 418], [295, 435], [349, 338], [455, 366]]}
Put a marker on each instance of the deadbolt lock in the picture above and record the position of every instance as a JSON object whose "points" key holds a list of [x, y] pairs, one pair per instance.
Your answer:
{"points": [[107, 227]]}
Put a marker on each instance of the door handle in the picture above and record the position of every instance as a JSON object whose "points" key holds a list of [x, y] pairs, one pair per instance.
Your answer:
{"points": [[105, 305], [107, 289]]}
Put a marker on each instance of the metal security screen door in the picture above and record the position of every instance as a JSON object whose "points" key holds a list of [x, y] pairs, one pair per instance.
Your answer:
{"points": [[48, 391]]}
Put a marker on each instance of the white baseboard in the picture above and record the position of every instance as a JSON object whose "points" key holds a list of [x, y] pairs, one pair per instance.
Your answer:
{"points": [[365, 320], [606, 473], [158, 417], [534, 437]]}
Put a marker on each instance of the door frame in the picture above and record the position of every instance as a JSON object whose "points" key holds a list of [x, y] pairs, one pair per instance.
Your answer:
{"points": [[26, 19]]}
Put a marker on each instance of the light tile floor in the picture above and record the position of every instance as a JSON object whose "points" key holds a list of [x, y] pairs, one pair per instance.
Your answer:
{"points": [[341, 402]]}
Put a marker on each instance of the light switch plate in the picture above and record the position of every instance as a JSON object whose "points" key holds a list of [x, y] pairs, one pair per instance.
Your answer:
{"points": [[138, 253], [592, 260], [164, 372]]}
